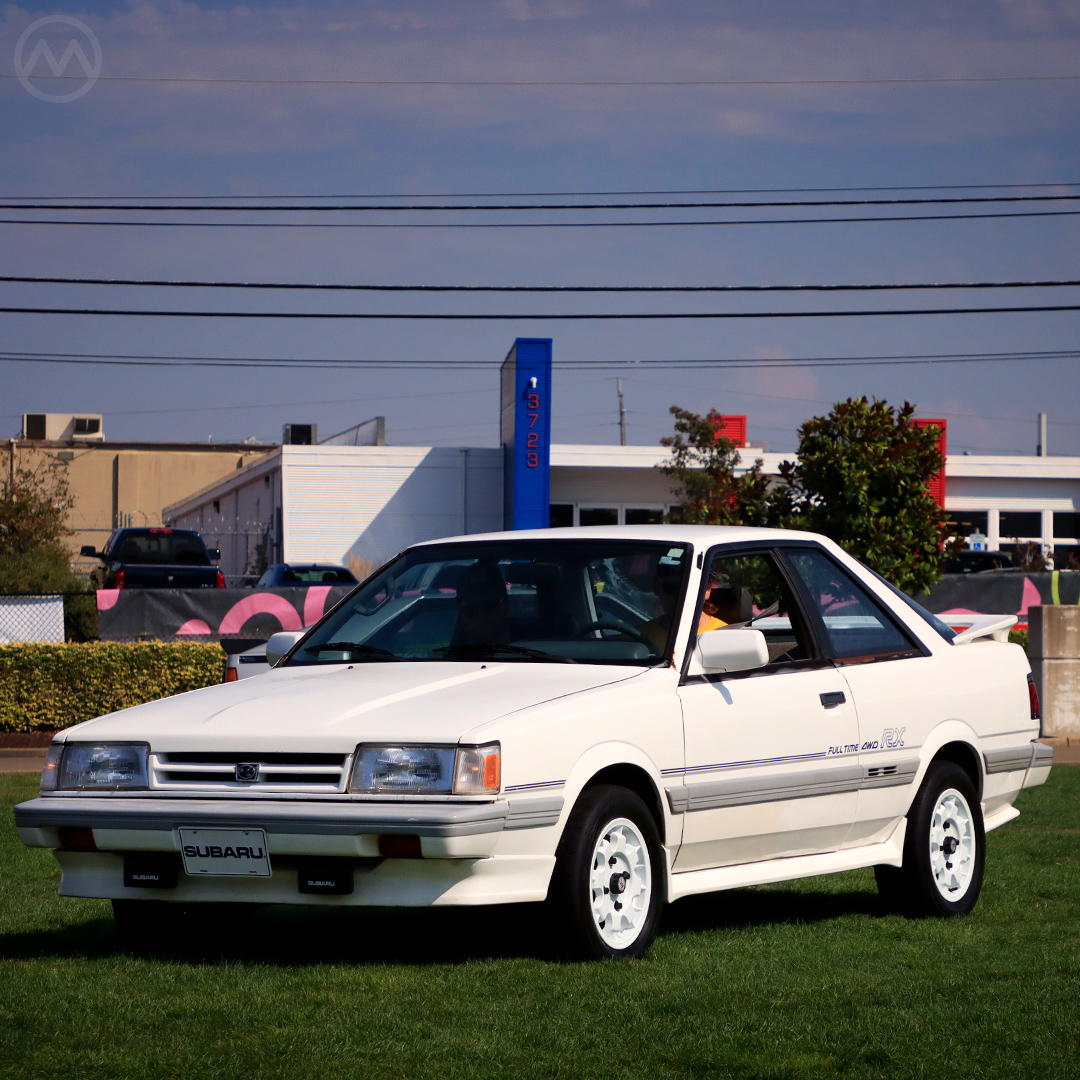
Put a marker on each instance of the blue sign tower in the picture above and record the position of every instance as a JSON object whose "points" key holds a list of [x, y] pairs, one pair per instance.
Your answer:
{"points": [[525, 434]]}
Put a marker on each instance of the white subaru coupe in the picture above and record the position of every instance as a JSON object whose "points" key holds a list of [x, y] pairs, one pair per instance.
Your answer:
{"points": [[605, 719]]}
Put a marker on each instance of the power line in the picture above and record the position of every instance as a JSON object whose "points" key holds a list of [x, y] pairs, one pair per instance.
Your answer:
{"points": [[559, 194], [947, 410], [943, 200], [716, 364], [526, 83], [536, 224], [411, 316], [180, 284]]}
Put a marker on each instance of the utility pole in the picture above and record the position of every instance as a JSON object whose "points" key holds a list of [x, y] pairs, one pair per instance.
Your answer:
{"points": [[622, 414], [1042, 450]]}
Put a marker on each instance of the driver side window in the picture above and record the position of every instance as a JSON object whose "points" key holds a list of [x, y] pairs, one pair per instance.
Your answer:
{"points": [[749, 591]]}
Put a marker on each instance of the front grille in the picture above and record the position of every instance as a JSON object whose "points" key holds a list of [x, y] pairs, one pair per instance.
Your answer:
{"points": [[280, 772]]}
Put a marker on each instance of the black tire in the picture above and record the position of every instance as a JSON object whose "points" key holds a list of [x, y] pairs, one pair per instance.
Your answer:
{"points": [[914, 888], [596, 818]]}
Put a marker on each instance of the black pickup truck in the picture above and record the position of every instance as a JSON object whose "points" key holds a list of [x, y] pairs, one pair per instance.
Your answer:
{"points": [[156, 559]]}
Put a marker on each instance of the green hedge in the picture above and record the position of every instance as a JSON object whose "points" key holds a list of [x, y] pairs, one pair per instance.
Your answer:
{"points": [[43, 687]]}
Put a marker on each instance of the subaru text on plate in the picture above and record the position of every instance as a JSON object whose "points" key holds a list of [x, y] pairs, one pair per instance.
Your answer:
{"points": [[605, 718]]}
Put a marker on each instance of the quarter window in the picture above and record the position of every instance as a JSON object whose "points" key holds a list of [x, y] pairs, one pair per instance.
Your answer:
{"points": [[856, 625]]}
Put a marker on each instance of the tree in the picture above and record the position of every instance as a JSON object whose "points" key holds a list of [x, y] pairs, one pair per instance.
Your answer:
{"points": [[34, 557], [703, 461], [862, 479]]}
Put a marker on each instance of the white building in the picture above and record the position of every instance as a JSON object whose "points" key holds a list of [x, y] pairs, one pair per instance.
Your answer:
{"points": [[325, 503]]}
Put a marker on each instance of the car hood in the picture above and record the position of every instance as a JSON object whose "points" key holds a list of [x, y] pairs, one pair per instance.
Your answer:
{"points": [[332, 709]]}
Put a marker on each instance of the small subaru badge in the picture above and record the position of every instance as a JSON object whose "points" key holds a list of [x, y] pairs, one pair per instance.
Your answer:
{"points": [[247, 771]]}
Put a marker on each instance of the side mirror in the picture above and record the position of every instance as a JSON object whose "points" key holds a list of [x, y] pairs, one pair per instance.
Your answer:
{"points": [[281, 643], [88, 551], [721, 652], [214, 554]]}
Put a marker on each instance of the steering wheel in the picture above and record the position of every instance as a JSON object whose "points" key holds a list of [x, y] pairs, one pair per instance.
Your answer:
{"points": [[622, 628]]}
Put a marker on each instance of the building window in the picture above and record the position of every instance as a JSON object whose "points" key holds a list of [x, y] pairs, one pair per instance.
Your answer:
{"points": [[1020, 524], [598, 515], [970, 521], [561, 515], [645, 517], [1067, 524]]}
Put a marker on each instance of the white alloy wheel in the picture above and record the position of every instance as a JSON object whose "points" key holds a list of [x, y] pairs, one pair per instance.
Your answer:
{"points": [[620, 883], [952, 845]]}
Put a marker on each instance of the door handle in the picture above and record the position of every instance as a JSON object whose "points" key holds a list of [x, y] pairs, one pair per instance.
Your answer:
{"points": [[832, 699]]}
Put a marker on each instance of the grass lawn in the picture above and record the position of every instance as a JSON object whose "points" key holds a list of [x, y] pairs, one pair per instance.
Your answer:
{"points": [[797, 980]]}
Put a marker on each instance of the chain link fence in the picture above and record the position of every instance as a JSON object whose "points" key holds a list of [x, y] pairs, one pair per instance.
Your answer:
{"points": [[31, 619], [54, 617]]}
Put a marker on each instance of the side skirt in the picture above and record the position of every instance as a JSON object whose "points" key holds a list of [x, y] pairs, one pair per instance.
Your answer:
{"points": [[999, 817], [889, 853]]}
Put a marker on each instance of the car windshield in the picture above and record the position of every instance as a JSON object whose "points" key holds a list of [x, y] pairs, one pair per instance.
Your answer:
{"points": [[566, 601], [159, 546]]}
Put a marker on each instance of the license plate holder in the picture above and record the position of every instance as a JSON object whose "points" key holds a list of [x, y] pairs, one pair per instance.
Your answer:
{"points": [[225, 852]]}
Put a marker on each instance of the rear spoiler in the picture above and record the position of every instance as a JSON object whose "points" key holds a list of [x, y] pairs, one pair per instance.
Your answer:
{"points": [[971, 627]]}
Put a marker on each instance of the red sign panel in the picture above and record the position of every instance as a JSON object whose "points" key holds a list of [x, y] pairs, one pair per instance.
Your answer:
{"points": [[937, 483], [733, 428]]}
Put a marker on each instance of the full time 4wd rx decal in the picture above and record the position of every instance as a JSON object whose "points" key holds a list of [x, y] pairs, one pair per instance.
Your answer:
{"points": [[892, 738]]}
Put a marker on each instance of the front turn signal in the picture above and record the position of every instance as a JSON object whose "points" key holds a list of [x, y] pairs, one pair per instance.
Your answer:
{"points": [[478, 770]]}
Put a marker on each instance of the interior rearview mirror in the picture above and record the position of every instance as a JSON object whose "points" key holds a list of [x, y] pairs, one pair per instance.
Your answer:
{"points": [[723, 651], [281, 643]]}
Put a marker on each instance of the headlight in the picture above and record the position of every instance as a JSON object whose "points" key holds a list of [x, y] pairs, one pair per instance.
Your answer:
{"points": [[425, 770], [101, 766]]}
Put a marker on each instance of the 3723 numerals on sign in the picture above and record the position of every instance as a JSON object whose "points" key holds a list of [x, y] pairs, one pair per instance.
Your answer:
{"points": [[532, 458]]}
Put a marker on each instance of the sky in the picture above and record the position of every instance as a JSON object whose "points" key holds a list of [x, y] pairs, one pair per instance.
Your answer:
{"points": [[310, 102]]}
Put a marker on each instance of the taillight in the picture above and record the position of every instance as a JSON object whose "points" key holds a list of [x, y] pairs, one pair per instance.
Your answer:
{"points": [[219, 581], [1033, 698], [119, 579], [230, 675]]}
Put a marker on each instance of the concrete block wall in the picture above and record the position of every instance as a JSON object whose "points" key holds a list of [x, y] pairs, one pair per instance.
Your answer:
{"points": [[1054, 651]]}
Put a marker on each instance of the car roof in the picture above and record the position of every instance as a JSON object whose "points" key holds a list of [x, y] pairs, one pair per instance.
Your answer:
{"points": [[701, 536], [308, 566]]}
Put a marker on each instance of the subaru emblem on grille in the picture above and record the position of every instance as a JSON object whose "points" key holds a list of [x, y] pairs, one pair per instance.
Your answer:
{"points": [[247, 771]]}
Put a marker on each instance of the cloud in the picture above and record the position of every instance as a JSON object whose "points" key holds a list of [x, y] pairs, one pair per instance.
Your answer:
{"points": [[409, 20], [528, 10], [1040, 15]]}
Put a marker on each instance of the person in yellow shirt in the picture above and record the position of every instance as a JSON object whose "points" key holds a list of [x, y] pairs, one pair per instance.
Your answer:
{"points": [[719, 601]]}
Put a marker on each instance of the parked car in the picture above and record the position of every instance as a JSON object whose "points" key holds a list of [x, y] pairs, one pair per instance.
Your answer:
{"points": [[974, 562], [282, 575], [536, 716], [155, 559], [244, 657]]}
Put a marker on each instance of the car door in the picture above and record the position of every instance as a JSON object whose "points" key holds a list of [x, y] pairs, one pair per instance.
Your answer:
{"points": [[771, 755], [892, 680]]}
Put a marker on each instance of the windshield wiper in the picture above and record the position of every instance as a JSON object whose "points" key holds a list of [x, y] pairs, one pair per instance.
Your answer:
{"points": [[353, 647], [483, 651]]}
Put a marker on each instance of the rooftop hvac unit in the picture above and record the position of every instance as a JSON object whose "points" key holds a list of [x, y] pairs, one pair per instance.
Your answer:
{"points": [[62, 427], [300, 434]]}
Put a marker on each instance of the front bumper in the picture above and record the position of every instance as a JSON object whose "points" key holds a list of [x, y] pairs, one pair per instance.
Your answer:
{"points": [[151, 823], [460, 863]]}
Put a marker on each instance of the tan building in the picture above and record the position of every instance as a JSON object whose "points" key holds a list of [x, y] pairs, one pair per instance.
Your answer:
{"points": [[118, 484]]}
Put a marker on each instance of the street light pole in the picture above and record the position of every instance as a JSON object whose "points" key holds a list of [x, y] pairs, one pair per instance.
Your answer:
{"points": [[622, 414]]}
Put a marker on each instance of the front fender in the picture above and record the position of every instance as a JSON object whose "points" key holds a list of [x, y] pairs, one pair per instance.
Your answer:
{"points": [[608, 754]]}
